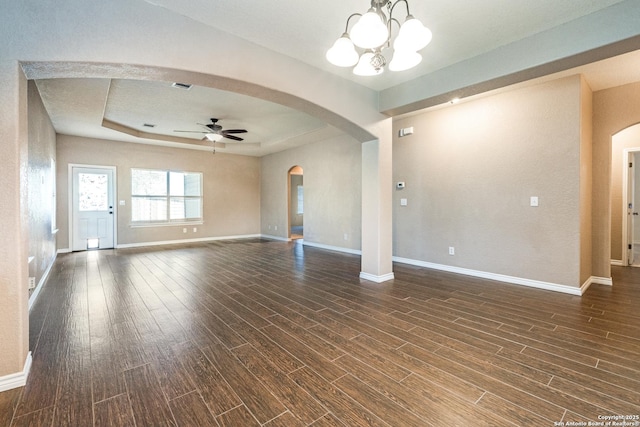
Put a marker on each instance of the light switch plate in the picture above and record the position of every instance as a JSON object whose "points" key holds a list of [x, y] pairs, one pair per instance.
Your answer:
{"points": [[403, 202]]}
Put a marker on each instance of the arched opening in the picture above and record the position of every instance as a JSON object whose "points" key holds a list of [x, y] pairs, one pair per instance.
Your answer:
{"points": [[625, 197], [296, 203]]}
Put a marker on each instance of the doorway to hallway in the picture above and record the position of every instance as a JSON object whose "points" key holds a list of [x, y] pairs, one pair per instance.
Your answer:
{"points": [[296, 203]]}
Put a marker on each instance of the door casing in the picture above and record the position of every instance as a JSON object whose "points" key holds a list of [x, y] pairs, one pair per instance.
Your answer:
{"points": [[71, 190], [627, 217]]}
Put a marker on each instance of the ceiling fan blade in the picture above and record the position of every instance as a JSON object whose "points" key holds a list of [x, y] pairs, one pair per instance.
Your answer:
{"points": [[235, 138], [234, 131]]}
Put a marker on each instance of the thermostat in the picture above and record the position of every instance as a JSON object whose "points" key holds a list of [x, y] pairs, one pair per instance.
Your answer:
{"points": [[400, 185]]}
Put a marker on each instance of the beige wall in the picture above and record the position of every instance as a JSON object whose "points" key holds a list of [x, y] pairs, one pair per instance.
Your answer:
{"points": [[14, 231], [42, 149], [332, 191], [586, 179], [613, 110], [628, 138], [470, 170], [231, 188]]}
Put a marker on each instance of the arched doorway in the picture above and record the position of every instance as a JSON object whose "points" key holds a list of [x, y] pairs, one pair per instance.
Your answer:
{"points": [[625, 197], [296, 203]]}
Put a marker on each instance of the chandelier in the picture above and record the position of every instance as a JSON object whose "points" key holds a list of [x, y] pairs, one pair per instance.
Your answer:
{"points": [[372, 33]]}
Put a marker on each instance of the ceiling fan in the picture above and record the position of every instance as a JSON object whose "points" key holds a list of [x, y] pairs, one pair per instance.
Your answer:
{"points": [[215, 132]]}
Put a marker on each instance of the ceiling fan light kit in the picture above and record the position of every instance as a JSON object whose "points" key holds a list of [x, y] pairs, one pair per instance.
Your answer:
{"points": [[213, 137], [373, 33]]}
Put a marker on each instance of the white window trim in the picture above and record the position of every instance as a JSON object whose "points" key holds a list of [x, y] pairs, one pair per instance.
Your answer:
{"points": [[168, 222]]}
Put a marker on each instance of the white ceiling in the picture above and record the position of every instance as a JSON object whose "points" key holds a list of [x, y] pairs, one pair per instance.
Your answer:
{"points": [[303, 30], [461, 29]]}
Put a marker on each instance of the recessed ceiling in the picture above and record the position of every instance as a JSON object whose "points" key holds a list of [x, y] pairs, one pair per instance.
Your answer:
{"points": [[81, 107]]}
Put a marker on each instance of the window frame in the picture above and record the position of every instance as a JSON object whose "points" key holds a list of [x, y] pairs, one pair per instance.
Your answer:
{"points": [[168, 197]]}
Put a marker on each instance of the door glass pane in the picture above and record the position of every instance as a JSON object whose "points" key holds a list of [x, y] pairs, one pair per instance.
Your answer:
{"points": [[93, 192]]}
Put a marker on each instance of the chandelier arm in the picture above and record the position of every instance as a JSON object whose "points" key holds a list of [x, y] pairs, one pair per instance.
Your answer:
{"points": [[346, 28], [397, 22], [394, 5]]}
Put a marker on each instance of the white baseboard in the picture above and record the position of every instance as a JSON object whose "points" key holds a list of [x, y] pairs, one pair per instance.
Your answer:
{"points": [[176, 242], [376, 279], [64, 251], [617, 262], [16, 380], [38, 288], [493, 276], [333, 248], [595, 280]]}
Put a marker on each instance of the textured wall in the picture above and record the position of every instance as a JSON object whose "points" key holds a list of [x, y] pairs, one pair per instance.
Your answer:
{"points": [[14, 232], [586, 179], [42, 150], [470, 170], [332, 192], [231, 187]]}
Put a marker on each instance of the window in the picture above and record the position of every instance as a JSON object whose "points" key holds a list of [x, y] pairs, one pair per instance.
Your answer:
{"points": [[300, 199], [161, 196]]}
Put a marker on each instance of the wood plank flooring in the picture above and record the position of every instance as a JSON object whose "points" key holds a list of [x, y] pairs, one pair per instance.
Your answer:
{"points": [[264, 333]]}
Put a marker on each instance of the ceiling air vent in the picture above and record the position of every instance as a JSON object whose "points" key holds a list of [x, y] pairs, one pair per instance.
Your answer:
{"points": [[184, 86], [148, 125]]}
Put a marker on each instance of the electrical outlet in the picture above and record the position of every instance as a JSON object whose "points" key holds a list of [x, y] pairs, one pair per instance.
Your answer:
{"points": [[346, 236], [452, 250], [184, 230], [276, 228], [32, 282], [195, 229]]}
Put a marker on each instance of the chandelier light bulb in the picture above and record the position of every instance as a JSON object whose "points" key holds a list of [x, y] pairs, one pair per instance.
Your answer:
{"points": [[413, 35], [365, 68], [343, 52], [370, 31], [404, 59]]}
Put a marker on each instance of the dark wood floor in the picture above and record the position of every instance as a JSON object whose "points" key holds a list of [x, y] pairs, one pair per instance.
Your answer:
{"points": [[258, 332]]}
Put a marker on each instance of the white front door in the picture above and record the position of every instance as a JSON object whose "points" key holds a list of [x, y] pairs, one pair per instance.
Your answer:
{"points": [[92, 210]]}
